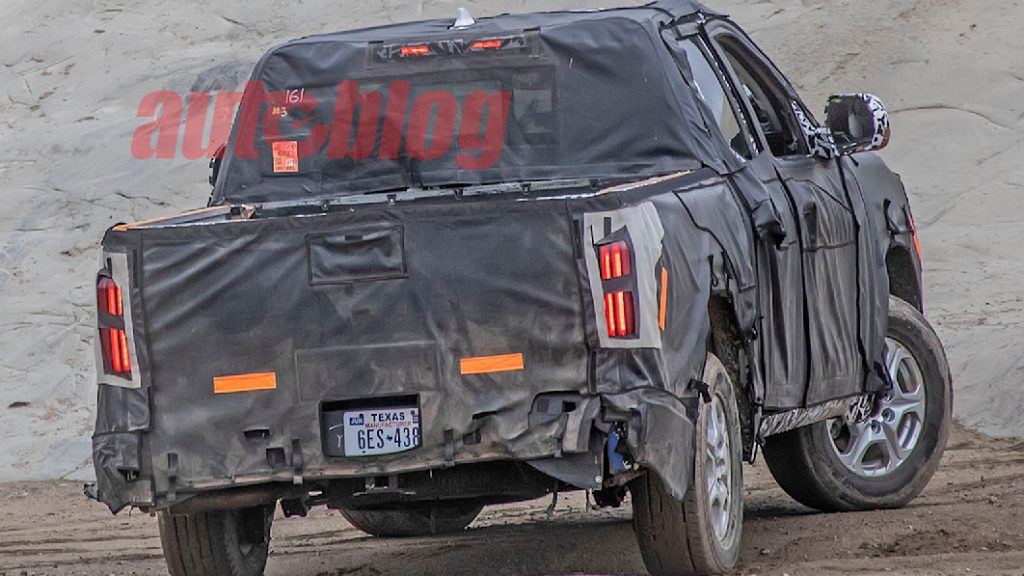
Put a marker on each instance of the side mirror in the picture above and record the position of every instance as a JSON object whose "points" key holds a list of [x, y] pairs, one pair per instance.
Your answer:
{"points": [[858, 123]]}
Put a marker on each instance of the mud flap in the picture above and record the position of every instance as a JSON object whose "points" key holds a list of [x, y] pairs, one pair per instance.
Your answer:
{"points": [[116, 458], [122, 415], [660, 436]]}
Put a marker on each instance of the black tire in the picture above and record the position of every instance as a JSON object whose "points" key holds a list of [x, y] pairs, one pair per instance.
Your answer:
{"points": [[680, 538], [416, 520], [218, 543], [805, 461]]}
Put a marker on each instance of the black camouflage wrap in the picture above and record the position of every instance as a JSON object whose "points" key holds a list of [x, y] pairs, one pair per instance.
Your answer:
{"points": [[382, 298], [605, 65]]}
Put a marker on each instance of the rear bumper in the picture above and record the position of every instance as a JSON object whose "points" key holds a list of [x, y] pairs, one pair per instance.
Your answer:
{"points": [[563, 437], [129, 474]]}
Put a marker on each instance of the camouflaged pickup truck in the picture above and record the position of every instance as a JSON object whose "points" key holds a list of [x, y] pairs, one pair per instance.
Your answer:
{"points": [[454, 263]]}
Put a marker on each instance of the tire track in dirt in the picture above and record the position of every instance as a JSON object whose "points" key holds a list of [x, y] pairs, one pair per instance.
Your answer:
{"points": [[969, 517]]}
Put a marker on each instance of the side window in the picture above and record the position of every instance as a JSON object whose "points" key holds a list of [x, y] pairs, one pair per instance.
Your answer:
{"points": [[772, 109], [710, 88]]}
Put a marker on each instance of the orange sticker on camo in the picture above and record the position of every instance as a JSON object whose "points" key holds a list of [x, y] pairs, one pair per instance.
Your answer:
{"points": [[490, 364], [286, 156], [245, 383]]}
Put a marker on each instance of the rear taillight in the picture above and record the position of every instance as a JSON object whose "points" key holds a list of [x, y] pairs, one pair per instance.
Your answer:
{"points": [[618, 310], [113, 339], [616, 274], [614, 260]]}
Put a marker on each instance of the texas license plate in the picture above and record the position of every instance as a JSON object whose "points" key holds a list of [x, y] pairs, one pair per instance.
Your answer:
{"points": [[373, 432]]}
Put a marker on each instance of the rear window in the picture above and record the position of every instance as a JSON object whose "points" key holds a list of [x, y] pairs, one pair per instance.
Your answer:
{"points": [[417, 126], [334, 118]]}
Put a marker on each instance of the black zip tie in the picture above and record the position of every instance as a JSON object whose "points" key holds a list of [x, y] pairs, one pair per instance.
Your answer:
{"points": [[703, 389]]}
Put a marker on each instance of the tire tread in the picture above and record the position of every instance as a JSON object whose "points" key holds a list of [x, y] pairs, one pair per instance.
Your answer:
{"points": [[195, 545]]}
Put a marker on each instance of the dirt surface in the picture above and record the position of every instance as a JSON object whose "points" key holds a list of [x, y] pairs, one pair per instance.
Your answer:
{"points": [[968, 521]]}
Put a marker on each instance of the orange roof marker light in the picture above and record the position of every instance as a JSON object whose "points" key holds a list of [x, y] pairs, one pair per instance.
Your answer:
{"points": [[486, 44], [420, 50]]}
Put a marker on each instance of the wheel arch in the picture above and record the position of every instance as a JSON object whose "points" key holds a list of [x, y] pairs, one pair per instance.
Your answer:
{"points": [[904, 282], [724, 332], [725, 341]]}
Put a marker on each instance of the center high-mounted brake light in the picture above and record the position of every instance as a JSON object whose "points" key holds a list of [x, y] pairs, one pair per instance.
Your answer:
{"points": [[486, 44], [421, 50], [454, 47], [113, 339], [619, 306]]}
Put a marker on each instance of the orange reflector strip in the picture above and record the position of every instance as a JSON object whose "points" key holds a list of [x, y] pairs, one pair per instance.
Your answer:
{"points": [[913, 232], [663, 304], [489, 364], [245, 383]]}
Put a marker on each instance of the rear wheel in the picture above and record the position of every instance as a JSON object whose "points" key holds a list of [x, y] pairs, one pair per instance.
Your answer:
{"points": [[701, 534], [416, 520], [885, 457], [217, 543]]}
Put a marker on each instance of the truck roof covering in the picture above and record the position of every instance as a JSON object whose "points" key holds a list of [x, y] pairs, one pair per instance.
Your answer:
{"points": [[588, 94], [660, 12]]}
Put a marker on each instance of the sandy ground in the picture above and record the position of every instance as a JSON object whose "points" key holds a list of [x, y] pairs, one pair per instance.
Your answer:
{"points": [[968, 522]]}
